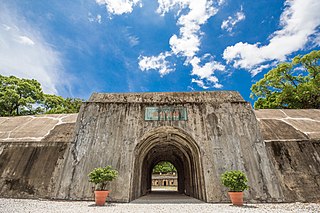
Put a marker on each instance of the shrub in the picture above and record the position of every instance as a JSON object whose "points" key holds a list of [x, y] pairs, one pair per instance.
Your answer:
{"points": [[235, 180], [101, 176]]}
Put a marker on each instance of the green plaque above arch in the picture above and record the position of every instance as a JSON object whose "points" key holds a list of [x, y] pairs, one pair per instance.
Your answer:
{"points": [[165, 114]]}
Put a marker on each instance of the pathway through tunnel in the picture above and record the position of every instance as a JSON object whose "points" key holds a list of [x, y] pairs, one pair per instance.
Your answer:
{"points": [[166, 197]]}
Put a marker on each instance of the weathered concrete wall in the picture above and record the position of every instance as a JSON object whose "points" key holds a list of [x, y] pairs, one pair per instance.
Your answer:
{"points": [[293, 144], [32, 152], [40, 157], [223, 125], [28, 170], [298, 168]]}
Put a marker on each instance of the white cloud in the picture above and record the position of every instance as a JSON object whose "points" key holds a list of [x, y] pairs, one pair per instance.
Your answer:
{"points": [[217, 85], [207, 83], [133, 40], [24, 52], [259, 68], [207, 70], [25, 40], [166, 5], [186, 46], [316, 41], [97, 18], [187, 43], [191, 15], [6, 27], [200, 83], [205, 73], [299, 20], [221, 2], [119, 7], [232, 21], [156, 62]]}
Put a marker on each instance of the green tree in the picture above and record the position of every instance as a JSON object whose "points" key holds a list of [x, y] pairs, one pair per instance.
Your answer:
{"points": [[164, 167], [52, 104], [294, 85], [25, 97], [19, 96], [72, 105], [55, 104]]}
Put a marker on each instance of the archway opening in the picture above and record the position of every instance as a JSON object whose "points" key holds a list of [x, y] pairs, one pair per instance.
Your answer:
{"points": [[164, 177], [175, 146]]}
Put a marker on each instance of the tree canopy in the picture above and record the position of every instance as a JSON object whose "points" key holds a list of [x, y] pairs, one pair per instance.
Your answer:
{"points": [[291, 85], [54, 104], [164, 167], [25, 97]]}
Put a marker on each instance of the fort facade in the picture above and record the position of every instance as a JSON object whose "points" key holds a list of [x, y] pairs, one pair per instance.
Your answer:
{"points": [[202, 134]]}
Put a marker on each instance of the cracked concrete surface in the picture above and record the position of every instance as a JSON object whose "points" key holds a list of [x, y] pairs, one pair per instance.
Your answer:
{"points": [[300, 122], [31, 128]]}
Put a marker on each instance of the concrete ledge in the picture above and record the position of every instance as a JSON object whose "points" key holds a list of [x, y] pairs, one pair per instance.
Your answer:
{"points": [[168, 97]]}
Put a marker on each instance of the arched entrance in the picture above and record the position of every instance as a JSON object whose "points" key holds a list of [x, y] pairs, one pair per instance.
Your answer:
{"points": [[168, 144]]}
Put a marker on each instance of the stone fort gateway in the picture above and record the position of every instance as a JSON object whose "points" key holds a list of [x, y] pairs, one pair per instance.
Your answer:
{"points": [[203, 134]]}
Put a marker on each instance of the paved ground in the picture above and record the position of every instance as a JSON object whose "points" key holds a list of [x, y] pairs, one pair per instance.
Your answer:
{"points": [[155, 202], [164, 188], [167, 197]]}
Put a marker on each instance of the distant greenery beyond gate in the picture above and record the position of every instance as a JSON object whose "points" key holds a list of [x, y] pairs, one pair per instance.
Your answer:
{"points": [[164, 167]]}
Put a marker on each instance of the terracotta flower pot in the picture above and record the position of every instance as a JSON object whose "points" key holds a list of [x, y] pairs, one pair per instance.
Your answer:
{"points": [[100, 197], [236, 198]]}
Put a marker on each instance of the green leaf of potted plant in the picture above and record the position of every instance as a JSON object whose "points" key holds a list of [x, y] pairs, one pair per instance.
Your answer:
{"points": [[236, 181], [100, 177]]}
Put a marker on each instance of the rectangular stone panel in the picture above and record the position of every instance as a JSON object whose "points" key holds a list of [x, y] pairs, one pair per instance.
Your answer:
{"points": [[165, 114]]}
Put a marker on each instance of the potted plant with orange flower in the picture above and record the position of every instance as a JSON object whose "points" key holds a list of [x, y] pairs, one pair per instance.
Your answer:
{"points": [[100, 177], [236, 181]]}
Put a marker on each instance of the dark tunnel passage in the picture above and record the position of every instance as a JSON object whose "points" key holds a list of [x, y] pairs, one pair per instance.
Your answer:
{"points": [[173, 145]]}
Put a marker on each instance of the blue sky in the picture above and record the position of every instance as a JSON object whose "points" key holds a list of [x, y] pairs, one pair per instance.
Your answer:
{"points": [[75, 48]]}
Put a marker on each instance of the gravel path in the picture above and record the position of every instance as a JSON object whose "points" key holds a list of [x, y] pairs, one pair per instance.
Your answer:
{"points": [[48, 206]]}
